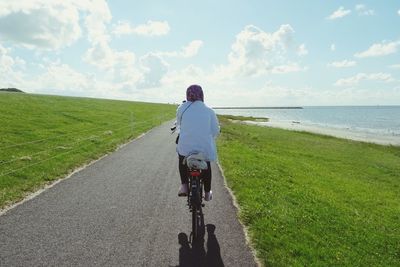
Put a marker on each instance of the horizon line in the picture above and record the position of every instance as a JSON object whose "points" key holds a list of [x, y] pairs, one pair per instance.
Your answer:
{"points": [[257, 107]]}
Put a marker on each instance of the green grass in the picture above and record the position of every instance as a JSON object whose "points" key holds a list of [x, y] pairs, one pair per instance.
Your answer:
{"points": [[43, 138], [313, 200]]}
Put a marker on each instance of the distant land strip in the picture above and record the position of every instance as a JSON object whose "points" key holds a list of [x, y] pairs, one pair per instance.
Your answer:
{"points": [[257, 107], [15, 90]]}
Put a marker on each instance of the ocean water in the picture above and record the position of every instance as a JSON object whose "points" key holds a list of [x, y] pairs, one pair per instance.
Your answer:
{"points": [[378, 120]]}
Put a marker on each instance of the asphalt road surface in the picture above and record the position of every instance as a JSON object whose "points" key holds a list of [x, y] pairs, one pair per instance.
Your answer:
{"points": [[123, 210]]}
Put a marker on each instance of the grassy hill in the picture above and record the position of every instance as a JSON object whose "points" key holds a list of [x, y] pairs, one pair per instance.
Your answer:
{"points": [[45, 137], [313, 200]]}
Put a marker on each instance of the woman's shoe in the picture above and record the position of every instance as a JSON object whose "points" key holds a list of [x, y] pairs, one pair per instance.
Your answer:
{"points": [[208, 196], [183, 191]]}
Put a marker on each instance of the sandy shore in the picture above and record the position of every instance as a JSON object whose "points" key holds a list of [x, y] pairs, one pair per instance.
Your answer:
{"points": [[383, 139]]}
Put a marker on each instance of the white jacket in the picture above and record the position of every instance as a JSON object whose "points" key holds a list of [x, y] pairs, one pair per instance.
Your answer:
{"points": [[198, 129]]}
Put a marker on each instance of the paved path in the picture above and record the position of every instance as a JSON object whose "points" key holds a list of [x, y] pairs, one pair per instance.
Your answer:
{"points": [[123, 211]]}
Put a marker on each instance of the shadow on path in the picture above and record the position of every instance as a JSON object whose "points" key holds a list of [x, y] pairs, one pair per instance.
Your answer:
{"points": [[196, 254]]}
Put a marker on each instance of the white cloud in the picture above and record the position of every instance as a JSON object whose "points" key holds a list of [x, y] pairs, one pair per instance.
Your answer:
{"points": [[151, 28], [104, 57], [50, 24], [256, 52], [395, 66], [175, 82], [379, 49], [62, 78], [339, 13], [39, 24], [342, 64], [12, 69], [181, 78], [123, 28], [154, 68], [302, 50], [333, 47], [192, 49], [95, 22], [355, 80], [398, 12], [6, 62], [291, 67], [100, 55], [362, 10], [187, 51], [59, 78], [272, 94], [119, 66]]}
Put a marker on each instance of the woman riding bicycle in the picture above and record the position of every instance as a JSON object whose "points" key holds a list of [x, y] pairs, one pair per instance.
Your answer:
{"points": [[198, 127]]}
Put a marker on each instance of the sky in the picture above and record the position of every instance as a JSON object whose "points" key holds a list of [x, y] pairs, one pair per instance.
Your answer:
{"points": [[242, 53]]}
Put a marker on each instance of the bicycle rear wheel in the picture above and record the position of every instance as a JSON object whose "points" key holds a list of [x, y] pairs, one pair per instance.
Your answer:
{"points": [[195, 228], [196, 210]]}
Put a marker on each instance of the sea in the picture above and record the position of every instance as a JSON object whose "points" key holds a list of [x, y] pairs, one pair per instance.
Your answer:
{"points": [[376, 120]]}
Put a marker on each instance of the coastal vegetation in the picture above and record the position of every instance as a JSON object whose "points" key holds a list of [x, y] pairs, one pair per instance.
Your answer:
{"points": [[314, 200], [43, 137], [245, 118]]}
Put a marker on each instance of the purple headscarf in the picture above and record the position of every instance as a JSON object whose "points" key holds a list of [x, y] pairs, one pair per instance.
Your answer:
{"points": [[194, 92]]}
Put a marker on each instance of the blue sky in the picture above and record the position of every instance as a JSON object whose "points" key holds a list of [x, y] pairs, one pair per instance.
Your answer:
{"points": [[243, 53]]}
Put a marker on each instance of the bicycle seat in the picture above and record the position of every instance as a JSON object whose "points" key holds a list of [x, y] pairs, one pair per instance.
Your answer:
{"points": [[196, 161]]}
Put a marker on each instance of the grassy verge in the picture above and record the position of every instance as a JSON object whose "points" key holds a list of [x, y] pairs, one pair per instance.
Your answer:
{"points": [[45, 137], [312, 200]]}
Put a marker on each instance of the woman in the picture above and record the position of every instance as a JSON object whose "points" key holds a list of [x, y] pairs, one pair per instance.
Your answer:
{"points": [[198, 127]]}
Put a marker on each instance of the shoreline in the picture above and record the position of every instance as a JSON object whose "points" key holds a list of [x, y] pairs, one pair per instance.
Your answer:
{"points": [[381, 139]]}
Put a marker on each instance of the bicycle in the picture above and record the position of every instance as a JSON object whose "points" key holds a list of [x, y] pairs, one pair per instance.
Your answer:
{"points": [[196, 164], [195, 196]]}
